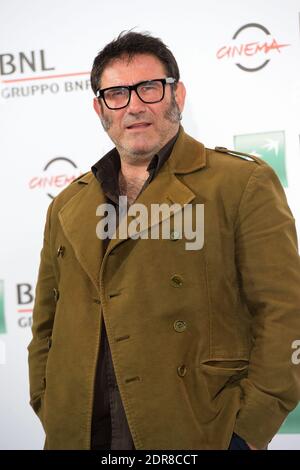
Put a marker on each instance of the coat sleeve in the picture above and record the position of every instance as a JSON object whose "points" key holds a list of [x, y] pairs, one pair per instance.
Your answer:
{"points": [[269, 271], [43, 318]]}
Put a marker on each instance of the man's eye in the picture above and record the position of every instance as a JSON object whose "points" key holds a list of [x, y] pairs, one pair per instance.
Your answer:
{"points": [[146, 88], [119, 92]]}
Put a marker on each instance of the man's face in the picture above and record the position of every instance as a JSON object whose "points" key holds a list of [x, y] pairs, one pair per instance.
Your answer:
{"points": [[140, 128]]}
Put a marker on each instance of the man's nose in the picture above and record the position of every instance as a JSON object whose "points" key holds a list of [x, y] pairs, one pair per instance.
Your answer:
{"points": [[135, 105]]}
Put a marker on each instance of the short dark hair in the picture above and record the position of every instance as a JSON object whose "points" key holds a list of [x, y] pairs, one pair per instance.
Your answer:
{"points": [[129, 43]]}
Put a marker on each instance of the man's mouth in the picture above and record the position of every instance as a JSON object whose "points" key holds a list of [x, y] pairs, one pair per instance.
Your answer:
{"points": [[139, 125]]}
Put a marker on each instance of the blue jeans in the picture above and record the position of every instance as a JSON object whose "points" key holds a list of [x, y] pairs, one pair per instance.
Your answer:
{"points": [[237, 443]]}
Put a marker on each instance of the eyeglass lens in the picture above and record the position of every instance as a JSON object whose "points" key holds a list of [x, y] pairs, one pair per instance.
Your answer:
{"points": [[149, 92]]}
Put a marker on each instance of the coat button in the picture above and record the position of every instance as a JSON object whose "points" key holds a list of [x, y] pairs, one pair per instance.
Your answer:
{"points": [[181, 370], [60, 251], [97, 301], [55, 294], [176, 280], [174, 235], [179, 326]]}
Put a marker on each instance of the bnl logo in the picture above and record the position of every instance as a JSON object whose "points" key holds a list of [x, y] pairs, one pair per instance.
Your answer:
{"points": [[2, 317]]}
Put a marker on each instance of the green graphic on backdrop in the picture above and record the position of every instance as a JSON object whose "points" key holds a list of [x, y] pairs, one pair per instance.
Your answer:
{"points": [[270, 146], [292, 423], [2, 317]]}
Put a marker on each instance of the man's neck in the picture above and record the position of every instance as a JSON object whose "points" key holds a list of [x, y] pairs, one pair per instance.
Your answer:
{"points": [[132, 178], [133, 171], [137, 168]]}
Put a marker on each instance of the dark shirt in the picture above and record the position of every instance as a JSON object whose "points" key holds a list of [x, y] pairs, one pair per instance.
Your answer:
{"points": [[109, 424]]}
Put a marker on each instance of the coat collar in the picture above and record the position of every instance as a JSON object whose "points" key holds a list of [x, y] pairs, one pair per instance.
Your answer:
{"points": [[188, 155], [78, 216]]}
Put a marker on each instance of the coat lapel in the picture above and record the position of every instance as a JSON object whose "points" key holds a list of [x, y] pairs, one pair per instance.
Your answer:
{"points": [[164, 189], [79, 221], [187, 156]]}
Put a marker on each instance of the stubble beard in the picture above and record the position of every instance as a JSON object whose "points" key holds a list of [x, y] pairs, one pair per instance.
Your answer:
{"points": [[172, 114]]}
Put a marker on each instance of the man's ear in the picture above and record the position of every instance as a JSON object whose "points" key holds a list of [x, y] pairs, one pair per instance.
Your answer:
{"points": [[97, 107], [180, 93]]}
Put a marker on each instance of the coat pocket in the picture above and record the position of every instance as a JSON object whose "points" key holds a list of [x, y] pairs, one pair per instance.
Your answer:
{"points": [[219, 374]]}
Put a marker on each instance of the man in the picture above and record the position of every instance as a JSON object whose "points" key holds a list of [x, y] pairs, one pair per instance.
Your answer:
{"points": [[139, 342]]}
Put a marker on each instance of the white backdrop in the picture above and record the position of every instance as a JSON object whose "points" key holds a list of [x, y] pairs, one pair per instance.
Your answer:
{"points": [[50, 134]]}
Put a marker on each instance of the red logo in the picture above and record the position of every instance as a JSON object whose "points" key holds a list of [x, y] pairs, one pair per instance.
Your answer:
{"points": [[255, 43], [58, 173]]}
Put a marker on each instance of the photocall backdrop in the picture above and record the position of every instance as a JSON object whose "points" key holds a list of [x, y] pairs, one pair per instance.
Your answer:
{"points": [[240, 62]]}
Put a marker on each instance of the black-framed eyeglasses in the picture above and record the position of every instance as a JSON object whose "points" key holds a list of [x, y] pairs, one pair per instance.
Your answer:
{"points": [[149, 91]]}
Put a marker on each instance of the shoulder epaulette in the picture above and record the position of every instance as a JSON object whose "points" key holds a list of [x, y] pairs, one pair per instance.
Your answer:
{"points": [[234, 153]]}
